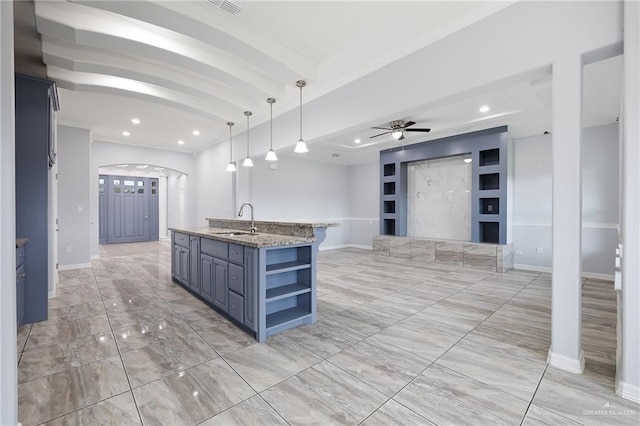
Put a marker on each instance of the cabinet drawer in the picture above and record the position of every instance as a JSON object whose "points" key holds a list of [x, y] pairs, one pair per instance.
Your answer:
{"points": [[214, 248], [236, 306], [181, 239], [236, 254], [20, 255], [236, 278]]}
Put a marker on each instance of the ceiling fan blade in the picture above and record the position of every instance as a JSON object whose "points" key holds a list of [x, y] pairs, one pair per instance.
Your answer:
{"points": [[375, 136], [408, 123], [417, 130], [382, 128]]}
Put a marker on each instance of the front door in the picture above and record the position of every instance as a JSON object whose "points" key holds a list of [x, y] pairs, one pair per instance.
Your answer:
{"points": [[131, 211]]}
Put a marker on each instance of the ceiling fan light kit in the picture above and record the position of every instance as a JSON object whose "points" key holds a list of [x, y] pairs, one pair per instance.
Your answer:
{"points": [[397, 129]]}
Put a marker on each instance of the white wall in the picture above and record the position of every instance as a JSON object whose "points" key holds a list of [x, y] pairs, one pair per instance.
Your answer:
{"points": [[364, 203], [215, 186], [74, 195], [301, 190], [8, 360], [105, 153], [532, 199]]}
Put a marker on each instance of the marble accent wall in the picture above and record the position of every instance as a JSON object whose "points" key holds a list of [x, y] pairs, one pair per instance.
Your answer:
{"points": [[488, 257], [439, 199]]}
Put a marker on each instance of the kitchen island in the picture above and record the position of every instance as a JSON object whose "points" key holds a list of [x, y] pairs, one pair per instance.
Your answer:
{"points": [[265, 282]]}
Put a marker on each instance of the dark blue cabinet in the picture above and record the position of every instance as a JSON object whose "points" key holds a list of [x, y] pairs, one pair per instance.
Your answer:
{"points": [[35, 102], [21, 275], [206, 277], [194, 264], [221, 284]]}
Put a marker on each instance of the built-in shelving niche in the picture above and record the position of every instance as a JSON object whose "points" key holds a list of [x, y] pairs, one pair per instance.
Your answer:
{"points": [[489, 151]]}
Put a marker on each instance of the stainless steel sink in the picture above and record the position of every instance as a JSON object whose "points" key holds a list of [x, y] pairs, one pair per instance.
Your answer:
{"points": [[233, 233]]}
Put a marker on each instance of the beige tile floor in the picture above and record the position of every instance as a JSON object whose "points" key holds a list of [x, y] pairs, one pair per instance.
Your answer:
{"points": [[396, 342]]}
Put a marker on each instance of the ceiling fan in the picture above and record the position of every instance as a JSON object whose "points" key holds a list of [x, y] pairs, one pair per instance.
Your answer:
{"points": [[397, 129]]}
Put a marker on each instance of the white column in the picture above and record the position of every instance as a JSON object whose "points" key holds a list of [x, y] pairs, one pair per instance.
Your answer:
{"points": [[566, 293], [8, 359], [628, 374]]}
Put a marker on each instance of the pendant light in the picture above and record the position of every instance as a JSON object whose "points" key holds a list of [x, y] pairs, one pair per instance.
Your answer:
{"points": [[247, 161], [301, 147], [271, 155], [232, 166]]}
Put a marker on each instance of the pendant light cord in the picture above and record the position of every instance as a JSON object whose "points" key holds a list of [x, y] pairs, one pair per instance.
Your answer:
{"points": [[271, 120], [230, 142], [301, 112]]}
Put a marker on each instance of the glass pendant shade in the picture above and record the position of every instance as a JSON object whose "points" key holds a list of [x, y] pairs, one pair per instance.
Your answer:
{"points": [[271, 154], [301, 147], [231, 167], [247, 162], [396, 134]]}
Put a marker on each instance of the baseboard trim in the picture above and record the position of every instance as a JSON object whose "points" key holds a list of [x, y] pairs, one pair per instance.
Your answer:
{"points": [[95, 256], [565, 363], [341, 246], [76, 266], [628, 391], [593, 275], [52, 294], [164, 239]]}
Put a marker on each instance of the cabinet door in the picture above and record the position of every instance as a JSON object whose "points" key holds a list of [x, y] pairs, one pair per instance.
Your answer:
{"points": [[185, 265], [175, 262], [221, 284], [194, 276], [20, 282], [206, 277]]}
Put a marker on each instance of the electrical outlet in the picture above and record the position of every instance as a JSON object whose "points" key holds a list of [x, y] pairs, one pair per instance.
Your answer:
{"points": [[539, 250], [519, 253], [68, 249]]}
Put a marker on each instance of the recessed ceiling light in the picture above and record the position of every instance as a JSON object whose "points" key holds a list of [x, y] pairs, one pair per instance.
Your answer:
{"points": [[467, 160], [125, 133], [357, 141], [180, 142], [142, 166], [122, 165], [135, 120], [196, 133], [158, 168], [484, 108]]}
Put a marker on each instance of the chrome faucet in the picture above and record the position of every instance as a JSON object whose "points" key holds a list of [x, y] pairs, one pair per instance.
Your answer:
{"points": [[253, 224]]}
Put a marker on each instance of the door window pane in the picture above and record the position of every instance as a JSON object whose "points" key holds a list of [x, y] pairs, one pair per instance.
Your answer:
{"points": [[140, 183], [140, 191], [153, 192], [101, 181], [153, 183], [116, 181], [129, 183], [116, 190]]}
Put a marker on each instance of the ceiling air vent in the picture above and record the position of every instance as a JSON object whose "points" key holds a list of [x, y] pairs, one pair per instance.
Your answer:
{"points": [[335, 155], [227, 6]]}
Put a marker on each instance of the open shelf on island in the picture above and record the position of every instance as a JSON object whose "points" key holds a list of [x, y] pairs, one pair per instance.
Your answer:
{"points": [[287, 290], [294, 265], [280, 318]]}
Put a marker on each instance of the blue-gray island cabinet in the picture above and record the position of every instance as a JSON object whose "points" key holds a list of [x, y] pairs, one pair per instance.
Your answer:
{"points": [[266, 283]]}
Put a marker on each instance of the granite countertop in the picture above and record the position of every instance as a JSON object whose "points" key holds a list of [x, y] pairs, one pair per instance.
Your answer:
{"points": [[293, 229], [259, 239], [21, 241]]}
